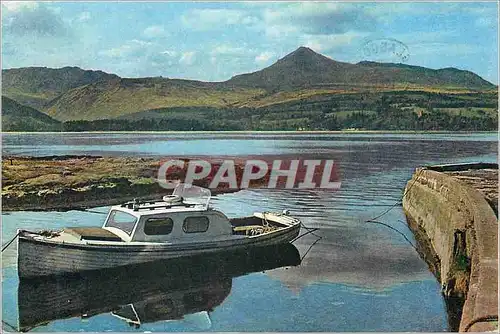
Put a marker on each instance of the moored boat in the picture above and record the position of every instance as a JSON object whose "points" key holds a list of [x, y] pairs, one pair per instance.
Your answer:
{"points": [[155, 291], [181, 224]]}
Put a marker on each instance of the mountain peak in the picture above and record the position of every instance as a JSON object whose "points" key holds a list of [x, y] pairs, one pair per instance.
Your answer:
{"points": [[303, 52], [304, 49], [304, 56]]}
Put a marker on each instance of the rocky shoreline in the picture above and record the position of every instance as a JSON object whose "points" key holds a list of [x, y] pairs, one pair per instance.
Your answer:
{"points": [[78, 182]]}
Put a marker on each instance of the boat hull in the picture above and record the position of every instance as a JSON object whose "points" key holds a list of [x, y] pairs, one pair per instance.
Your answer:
{"points": [[43, 257], [203, 280]]}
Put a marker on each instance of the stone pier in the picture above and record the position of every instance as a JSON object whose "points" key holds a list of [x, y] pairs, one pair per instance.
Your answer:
{"points": [[452, 211]]}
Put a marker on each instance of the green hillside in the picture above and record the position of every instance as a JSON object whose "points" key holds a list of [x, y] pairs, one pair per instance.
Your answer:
{"points": [[16, 117], [303, 90], [35, 86], [400, 110], [110, 99]]}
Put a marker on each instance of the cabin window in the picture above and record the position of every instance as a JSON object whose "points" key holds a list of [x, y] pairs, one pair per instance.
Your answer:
{"points": [[195, 224], [122, 220], [158, 226]]}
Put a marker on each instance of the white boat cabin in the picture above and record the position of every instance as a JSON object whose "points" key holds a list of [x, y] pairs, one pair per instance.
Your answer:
{"points": [[183, 215]]}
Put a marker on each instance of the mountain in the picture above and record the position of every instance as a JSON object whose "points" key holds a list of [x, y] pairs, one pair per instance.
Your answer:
{"points": [[16, 117], [303, 67], [306, 68], [35, 86], [301, 78], [110, 99], [445, 77]]}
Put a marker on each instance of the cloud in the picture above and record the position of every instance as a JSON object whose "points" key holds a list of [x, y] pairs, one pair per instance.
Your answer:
{"points": [[486, 22], [209, 43], [130, 48], [169, 53], [32, 18], [187, 58], [154, 31], [319, 18], [18, 5], [84, 17], [324, 43], [443, 49], [264, 57], [278, 31], [388, 12], [212, 19], [226, 49]]}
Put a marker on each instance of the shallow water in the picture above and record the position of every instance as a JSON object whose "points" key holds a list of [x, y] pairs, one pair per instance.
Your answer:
{"points": [[358, 277]]}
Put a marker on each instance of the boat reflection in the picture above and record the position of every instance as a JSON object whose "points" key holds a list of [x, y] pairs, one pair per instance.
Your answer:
{"points": [[158, 291]]}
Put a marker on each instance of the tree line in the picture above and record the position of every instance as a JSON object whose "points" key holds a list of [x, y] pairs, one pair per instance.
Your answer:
{"points": [[382, 119]]}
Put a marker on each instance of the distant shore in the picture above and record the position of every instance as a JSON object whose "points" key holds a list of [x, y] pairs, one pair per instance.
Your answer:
{"points": [[80, 181]]}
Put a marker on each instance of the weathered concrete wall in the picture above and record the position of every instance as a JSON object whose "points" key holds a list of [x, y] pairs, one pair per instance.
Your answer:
{"points": [[457, 231]]}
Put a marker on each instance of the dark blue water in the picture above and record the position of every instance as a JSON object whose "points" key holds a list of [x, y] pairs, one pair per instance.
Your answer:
{"points": [[358, 277], [187, 143]]}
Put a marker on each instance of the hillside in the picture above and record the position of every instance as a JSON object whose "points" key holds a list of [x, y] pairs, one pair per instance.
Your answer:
{"points": [[390, 110], [306, 68], [301, 82], [16, 117], [110, 99], [35, 86]]}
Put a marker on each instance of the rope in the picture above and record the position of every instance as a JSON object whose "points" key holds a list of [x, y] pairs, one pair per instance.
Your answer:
{"points": [[394, 229], [310, 247], [486, 318], [309, 231], [92, 211], [9, 325], [11, 240], [375, 221], [398, 202], [265, 219]]}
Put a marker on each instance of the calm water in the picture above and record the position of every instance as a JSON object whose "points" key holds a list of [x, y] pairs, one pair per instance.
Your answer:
{"points": [[358, 277]]}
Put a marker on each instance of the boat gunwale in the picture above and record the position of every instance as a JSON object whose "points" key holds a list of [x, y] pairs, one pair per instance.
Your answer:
{"points": [[163, 247]]}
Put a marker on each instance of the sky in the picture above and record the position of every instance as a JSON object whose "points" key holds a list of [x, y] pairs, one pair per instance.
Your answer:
{"points": [[213, 41]]}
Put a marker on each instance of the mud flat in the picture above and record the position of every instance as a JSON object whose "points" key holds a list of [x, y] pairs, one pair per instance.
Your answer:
{"points": [[77, 182], [452, 210]]}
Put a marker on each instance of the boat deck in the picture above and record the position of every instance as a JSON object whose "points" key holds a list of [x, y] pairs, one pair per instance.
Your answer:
{"points": [[92, 233], [70, 238]]}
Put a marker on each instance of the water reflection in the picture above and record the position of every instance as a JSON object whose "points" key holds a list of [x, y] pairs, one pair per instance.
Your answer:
{"points": [[160, 291], [358, 277], [414, 145]]}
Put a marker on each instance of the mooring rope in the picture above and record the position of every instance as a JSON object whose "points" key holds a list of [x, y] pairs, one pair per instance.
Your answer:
{"points": [[92, 211], [18, 232], [392, 228], [372, 220], [398, 202], [14, 329], [375, 221], [309, 231], [310, 247], [486, 318], [11, 240]]}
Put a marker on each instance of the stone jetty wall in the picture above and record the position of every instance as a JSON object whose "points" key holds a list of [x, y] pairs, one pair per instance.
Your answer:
{"points": [[452, 212]]}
